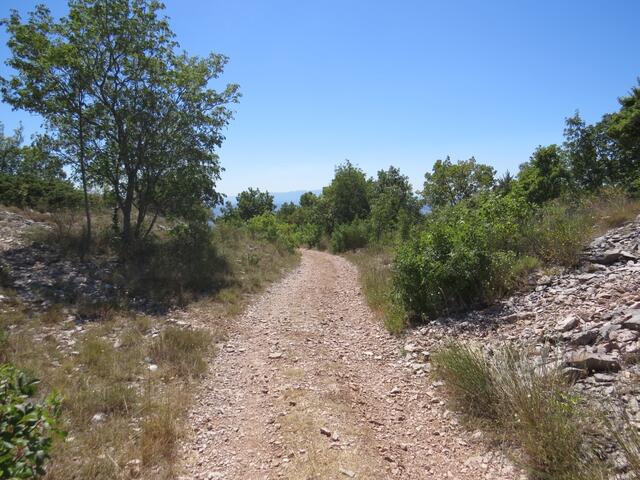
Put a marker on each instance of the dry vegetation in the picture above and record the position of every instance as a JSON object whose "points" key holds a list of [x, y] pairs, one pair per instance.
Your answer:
{"points": [[126, 377], [532, 409]]}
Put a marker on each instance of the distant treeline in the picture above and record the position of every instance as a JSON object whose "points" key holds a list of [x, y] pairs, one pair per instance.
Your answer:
{"points": [[484, 233]]}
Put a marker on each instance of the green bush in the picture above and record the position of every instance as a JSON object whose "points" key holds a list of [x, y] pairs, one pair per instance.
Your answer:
{"points": [[350, 236], [464, 255], [269, 228], [28, 191], [27, 426], [309, 234]]}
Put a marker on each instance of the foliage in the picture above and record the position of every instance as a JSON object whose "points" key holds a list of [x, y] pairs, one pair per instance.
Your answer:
{"points": [[268, 227], [347, 195], [187, 263], [10, 150], [350, 236], [253, 202], [129, 113], [589, 152], [557, 233], [393, 205], [450, 183], [544, 177], [27, 426], [33, 192], [463, 255], [623, 127]]}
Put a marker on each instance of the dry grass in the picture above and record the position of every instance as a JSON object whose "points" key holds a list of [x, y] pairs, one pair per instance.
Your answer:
{"points": [[140, 409], [181, 352], [533, 407], [613, 208], [104, 368], [374, 269]]}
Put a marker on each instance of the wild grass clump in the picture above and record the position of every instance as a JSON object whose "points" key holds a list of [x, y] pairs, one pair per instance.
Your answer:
{"points": [[182, 351], [532, 406], [467, 373], [374, 269]]}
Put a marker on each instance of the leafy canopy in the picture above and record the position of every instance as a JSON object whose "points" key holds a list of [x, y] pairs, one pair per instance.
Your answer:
{"points": [[450, 183]]}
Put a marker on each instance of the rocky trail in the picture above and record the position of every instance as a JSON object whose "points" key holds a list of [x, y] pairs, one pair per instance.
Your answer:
{"points": [[310, 385]]}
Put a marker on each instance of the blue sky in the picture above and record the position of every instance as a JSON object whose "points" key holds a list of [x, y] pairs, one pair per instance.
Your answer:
{"points": [[402, 83]]}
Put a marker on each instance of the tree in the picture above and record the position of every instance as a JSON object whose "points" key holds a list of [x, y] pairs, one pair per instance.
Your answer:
{"points": [[10, 150], [449, 183], [623, 127], [505, 183], [287, 210], [545, 176], [139, 119], [308, 199], [347, 195], [589, 153], [253, 202], [392, 201]]}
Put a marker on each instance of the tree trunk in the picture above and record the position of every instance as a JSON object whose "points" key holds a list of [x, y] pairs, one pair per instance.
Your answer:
{"points": [[83, 174], [127, 209]]}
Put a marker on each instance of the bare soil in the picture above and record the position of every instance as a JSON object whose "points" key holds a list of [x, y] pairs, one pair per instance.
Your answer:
{"points": [[310, 385]]}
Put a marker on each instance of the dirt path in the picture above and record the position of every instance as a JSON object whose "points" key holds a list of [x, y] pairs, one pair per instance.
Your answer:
{"points": [[310, 386]]}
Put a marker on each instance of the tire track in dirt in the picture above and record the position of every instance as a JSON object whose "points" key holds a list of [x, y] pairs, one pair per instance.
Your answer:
{"points": [[311, 386]]}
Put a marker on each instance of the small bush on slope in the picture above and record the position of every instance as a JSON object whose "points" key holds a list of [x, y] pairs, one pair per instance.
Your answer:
{"points": [[478, 250]]}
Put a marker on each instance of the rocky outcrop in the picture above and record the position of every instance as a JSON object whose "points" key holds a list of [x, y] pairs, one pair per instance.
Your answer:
{"points": [[42, 276]]}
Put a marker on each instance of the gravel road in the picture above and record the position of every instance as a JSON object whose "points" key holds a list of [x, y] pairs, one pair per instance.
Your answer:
{"points": [[310, 385]]}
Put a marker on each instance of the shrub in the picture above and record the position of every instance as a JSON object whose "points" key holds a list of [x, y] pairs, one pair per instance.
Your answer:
{"points": [[309, 234], [268, 227], [557, 233], [27, 426], [463, 256], [350, 236], [28, 191]]}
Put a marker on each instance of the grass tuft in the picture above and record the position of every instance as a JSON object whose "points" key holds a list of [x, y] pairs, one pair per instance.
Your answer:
{"points": [[374, 269], [182, 351], [533, 407]]}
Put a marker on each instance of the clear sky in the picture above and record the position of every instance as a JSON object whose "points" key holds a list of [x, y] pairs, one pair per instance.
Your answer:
{"points": [[398, 82]]}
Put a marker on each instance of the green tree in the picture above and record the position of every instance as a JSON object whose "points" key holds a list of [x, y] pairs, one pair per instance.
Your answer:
{"points": [[138, 117], [10, 150], [589, 154], [347, 195], [449, 182], [287, 211], [623, 127], [505, 183], [545, 176], [41, 160], [392, 201], [253, 202], [308, 199]]}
